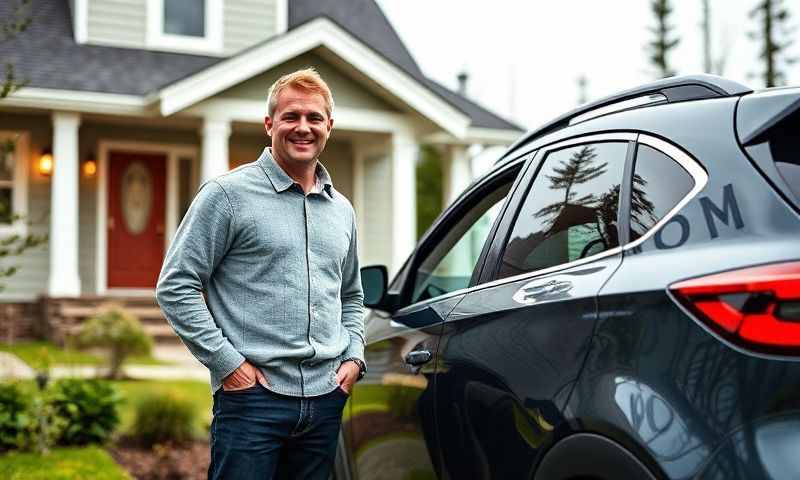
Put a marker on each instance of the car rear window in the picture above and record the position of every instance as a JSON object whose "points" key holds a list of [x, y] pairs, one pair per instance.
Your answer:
{"points": [[785, 149], [570, 212], [659, 183]]}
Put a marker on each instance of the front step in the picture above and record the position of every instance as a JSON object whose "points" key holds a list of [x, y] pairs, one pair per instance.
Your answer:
{"points": [[64, 316]]}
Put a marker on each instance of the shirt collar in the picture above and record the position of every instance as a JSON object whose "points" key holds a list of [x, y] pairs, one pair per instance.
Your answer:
{"points": [[281, 181]]}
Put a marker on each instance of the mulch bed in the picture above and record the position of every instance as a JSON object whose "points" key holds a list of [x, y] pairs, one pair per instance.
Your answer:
{"points": [[187, 461]]}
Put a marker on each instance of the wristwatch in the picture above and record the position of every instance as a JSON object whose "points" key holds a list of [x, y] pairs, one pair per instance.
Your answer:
{"points": [[362, 367]]}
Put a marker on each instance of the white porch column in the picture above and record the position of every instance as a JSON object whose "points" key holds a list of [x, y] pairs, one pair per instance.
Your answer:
{"points": [[457, 173], [64, 278], [405, 150], [215, 148]]}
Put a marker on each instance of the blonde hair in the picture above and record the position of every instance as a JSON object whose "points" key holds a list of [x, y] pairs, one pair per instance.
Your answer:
{"points": [[307, 80]]}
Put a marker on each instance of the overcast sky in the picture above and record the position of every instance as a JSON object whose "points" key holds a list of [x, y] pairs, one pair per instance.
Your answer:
{"points": [[524, 56]]}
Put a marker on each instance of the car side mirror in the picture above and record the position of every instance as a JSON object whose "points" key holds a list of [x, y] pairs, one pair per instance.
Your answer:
{"points": [[373, 281]]}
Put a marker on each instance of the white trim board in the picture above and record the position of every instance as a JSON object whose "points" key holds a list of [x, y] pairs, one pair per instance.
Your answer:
{"points": [[78, 101], [319, 32], [173, 152], [19, 198], [80, 20], [210, 44]]}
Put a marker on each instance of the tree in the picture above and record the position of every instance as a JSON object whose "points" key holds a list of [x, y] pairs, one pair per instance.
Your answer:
{"points": [[773, 18], [429, 188], [13, 245], [663, 42], [577, 169], [16, 23]]}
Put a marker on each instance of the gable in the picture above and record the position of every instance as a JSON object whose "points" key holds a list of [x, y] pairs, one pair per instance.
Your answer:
{"points": [[360, 59], [346, 92]]}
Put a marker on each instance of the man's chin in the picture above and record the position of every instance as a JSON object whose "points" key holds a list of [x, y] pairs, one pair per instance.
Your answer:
{"points": [[304, 156]]}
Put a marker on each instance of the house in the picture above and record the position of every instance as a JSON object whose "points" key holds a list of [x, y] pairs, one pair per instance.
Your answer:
{"points": [[131, 104]]}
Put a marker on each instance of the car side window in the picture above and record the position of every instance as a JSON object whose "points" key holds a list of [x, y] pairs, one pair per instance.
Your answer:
{"points": [[449, 265], [659, 183], [570, 211]]}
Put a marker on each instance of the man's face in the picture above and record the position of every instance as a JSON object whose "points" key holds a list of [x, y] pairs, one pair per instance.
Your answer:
{"points": [[299, 126]]}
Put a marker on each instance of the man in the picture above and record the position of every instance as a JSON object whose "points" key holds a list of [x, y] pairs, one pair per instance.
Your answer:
{"points": [[273, 246]]}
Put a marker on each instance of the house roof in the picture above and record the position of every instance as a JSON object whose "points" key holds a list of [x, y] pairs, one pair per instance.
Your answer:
{"points": [[47, 56]]}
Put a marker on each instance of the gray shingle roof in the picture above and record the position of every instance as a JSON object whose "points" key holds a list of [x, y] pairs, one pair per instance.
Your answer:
{"points": [[47, 56]]}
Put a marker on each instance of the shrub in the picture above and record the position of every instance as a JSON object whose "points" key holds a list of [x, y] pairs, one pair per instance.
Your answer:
{"points": [[86, 411], [15, 418], [166, 418], [117, 331]]}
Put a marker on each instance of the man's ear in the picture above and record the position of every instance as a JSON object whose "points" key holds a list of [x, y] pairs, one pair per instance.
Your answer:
{"points": [[268, 125], [330, 124]]}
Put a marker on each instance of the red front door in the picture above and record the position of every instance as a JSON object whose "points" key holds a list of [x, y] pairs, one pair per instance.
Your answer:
{"points": [[136, 194]]}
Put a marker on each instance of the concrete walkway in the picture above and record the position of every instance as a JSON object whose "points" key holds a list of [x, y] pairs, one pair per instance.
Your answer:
{"points": [[183, 366], [12, 367]]}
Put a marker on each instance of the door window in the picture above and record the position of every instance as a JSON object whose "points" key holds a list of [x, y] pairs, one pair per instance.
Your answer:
{"points": [[449, 265], [659, 183], [570, 211]]}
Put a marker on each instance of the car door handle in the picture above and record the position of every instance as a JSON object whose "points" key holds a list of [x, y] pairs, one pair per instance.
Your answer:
{"points": [[418, 357], [532, 292]]}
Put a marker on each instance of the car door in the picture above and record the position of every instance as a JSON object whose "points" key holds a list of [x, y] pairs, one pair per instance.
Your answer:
{"points": [[390, 425], [513, 347]]}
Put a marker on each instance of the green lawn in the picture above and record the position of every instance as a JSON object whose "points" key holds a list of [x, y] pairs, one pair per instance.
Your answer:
{"points": [[61, 464], [133, 391], [34, 352]]}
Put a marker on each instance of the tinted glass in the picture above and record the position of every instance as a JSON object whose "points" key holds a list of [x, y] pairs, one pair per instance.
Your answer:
{"points": [[449, 266], [185, 17], [785, 148], [659, 183], [570, 211]]}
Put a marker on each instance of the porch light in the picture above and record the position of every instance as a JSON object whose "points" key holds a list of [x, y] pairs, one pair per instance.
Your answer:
{"points": [[45, 163], [90, 165]]}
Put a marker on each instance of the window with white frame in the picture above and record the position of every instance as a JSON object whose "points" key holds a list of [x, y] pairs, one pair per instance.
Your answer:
{"points": [[185, 25], [13, 182]]}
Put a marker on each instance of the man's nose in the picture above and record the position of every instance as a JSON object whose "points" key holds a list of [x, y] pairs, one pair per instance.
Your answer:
{"points": [[303, 125]]}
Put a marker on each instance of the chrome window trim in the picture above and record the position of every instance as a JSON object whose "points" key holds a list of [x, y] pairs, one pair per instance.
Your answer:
{"points": [[645, 100], [691, 166], [594, 138], [487, 179], [683, 159]]}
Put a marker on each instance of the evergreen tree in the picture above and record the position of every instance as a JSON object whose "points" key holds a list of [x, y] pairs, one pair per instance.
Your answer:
{"points": [[663, 42], [578, 169], [773, 19]]}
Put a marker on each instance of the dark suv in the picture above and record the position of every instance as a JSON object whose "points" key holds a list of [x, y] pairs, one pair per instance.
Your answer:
{"points": [[619, 298]]}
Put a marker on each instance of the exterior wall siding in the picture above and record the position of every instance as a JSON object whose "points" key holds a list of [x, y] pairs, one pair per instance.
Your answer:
{"points": [[248, 22], [117, 22], [346, 92], [375, 239], [124, 23]]}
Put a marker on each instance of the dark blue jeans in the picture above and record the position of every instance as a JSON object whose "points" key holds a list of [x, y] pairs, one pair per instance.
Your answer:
{"points": [[260, 434]]}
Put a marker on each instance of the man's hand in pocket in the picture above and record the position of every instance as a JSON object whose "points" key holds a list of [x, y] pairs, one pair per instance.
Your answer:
{"points": [[243, 377]]}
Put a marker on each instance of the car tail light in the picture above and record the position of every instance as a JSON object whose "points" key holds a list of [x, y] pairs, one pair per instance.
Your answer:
{"points": [[757, 307]]}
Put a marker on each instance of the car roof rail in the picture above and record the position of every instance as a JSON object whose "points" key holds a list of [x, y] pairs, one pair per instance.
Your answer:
{"points": [[668, 90]]}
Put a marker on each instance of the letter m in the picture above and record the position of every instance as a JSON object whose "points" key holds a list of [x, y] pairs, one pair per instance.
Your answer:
{"points": [[729, 209]]}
